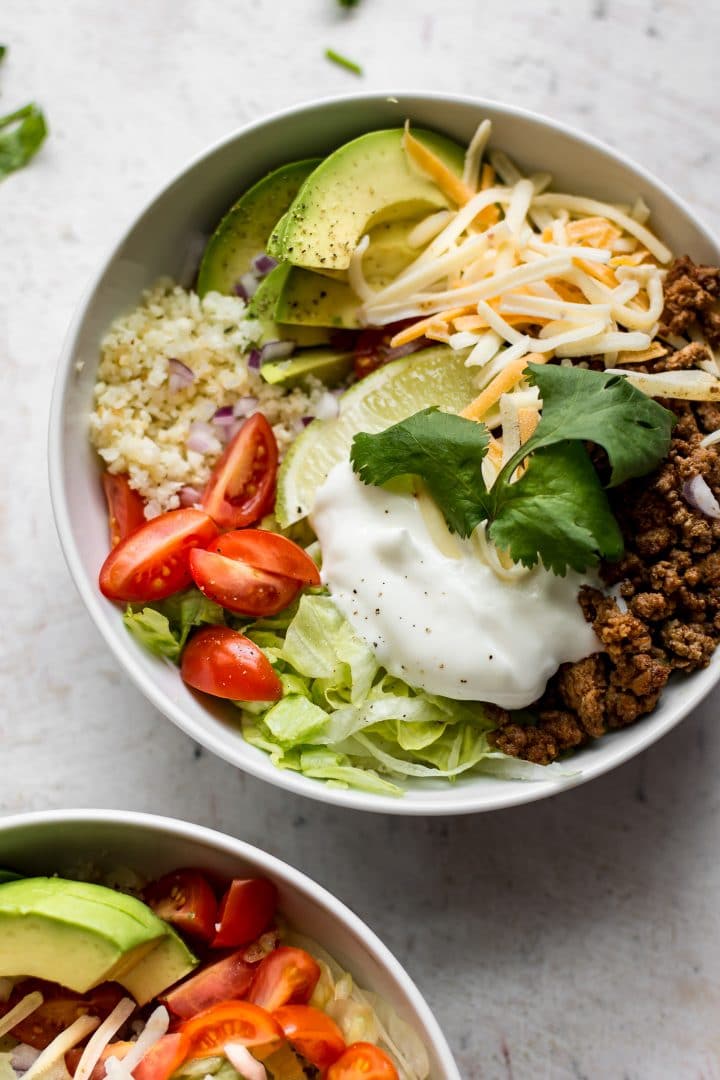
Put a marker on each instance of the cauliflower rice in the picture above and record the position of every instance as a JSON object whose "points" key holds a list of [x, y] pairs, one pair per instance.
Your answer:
{"points": [[141, 428]]}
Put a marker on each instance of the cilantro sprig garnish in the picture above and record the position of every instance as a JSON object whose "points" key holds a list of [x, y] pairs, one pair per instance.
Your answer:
{"points": [[22, 133], [557, 511]]}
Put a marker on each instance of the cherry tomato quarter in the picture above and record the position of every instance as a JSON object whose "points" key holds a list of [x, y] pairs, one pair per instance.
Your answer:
{"points": [[242, 485], [224, 663], [185, 900], [153, 562], [126, 508], [363, 1061], [287, 976], [239, 587], [229, 1021], [269, 551], [222, 980], [246, 910], [312, 1033]]}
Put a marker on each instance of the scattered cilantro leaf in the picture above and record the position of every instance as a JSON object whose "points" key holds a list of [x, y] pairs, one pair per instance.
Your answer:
{"points": [[163, 627], [343, 61], [604, 409], [557, 510], [445, 450], [22, 133]]}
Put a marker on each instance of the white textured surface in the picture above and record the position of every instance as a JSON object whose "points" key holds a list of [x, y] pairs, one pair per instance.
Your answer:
{"points": [[574, 938]]}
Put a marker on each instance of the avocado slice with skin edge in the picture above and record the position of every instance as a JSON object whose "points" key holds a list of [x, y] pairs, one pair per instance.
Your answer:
{"points": [[328, 365], [262, 308], [245, 229], [364, 182]]}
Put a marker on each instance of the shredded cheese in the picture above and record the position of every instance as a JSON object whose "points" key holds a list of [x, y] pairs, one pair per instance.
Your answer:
{"points": [[437, 170], [692, 385], [58, 1048], [100, 1039], [24, 1008], [156, 1027], [474, 155], [504, 381], [578, 205]]}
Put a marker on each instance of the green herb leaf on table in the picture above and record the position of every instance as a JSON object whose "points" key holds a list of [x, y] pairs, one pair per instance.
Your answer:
{"points": [[343, 61], [557, 510], [163, 628], [22, 133]]}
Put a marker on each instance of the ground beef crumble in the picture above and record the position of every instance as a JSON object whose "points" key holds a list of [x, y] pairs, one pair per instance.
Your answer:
{"points": [[664, 611]]}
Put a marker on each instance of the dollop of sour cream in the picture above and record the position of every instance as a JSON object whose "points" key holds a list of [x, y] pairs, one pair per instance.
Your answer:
{"points": [[432, 608]]}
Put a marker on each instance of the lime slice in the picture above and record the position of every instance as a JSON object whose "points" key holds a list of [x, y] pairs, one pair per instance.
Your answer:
{"points": [[436, 376]]}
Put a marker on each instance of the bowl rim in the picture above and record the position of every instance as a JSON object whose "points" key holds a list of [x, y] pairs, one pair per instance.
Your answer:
{"points": [[274, 867], [426, 803]]}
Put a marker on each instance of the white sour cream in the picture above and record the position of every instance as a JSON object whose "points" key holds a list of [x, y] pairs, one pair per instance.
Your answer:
{"points": [[448, 625]]}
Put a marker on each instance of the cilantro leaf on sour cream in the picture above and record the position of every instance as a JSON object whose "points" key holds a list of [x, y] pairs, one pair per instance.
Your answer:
{"points": [[556, 510]]}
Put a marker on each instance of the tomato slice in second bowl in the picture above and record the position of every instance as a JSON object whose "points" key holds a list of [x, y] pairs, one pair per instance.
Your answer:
{"points": [[230, 1021], [239, 587], [269, 551], [242, 485]]}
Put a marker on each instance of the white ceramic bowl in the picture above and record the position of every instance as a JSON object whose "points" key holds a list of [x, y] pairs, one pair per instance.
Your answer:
{"points": [[63, 840], [163, 239]]}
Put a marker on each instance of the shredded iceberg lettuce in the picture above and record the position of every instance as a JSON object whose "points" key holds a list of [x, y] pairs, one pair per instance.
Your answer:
{"points": [[345, 720]]}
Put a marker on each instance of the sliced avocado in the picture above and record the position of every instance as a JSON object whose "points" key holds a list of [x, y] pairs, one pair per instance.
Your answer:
{"points": [[244, 231], [70, 932], [313, 300], [328, 365], [364, 182], [262, 308], [168, 962]]}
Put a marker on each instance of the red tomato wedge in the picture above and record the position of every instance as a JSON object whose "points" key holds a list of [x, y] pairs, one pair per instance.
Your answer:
{"points": [[60, 1008], [373, 349], [269, 551], [228, 978], [287, 976], [238, 587], [186, 900], [221, 662], [363, 1061], [242, 485], [312, 1033], [230, 1021], [153, 562], [246, 910], [126, 507]]}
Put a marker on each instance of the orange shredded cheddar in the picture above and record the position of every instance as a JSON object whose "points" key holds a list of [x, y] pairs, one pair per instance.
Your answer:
{"points": [[410, 333], [594, 232], [495, 452], [487, 176], [471, 323], [527, 422], [450, 184], [597, 270], [567, 291], [635, 259], [503, 381]]}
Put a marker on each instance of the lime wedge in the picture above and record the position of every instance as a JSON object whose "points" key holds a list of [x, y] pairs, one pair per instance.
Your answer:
{"points": [[436, 376]]}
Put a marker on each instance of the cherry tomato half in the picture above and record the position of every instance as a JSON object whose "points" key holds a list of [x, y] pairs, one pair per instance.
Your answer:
{"points": [[363, 1061], [152, 562], [224, 980], [60, 1008], [242, 485], [126, 508], [219, 661], [287, 976], [184, 899], [230, 1021], [160, 1062], [269, 551], [239, 587], [246, 910], [312, 1033]]}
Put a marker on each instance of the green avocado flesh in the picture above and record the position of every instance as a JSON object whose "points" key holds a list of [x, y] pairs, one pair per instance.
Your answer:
{"points": [[363, 183], [244, 231], [262, 307], [325, 364], [78, 934]]}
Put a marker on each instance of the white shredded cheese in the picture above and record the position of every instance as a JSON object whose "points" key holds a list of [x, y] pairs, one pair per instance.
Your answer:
{"points": [[474, 155], [100, 1039], [58, 1048], [579, 205], [24, 1008], [241, 1059], [692, 385], [156, 1027]]}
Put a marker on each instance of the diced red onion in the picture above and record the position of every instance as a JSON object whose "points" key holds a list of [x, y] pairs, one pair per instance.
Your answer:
{"points": [[201, 438], [697, 492], [250, 283], [305, 420], [239, 290], [244, 406], [276, 350], [189, 496], [262, 264], [179, 375], [241, 1059], [23, 1056], [224, 416], [327, 407], [254, 360]]}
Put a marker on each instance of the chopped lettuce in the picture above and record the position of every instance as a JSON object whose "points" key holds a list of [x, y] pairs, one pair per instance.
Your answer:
{"points": [[343, 719], [163, 627]]}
